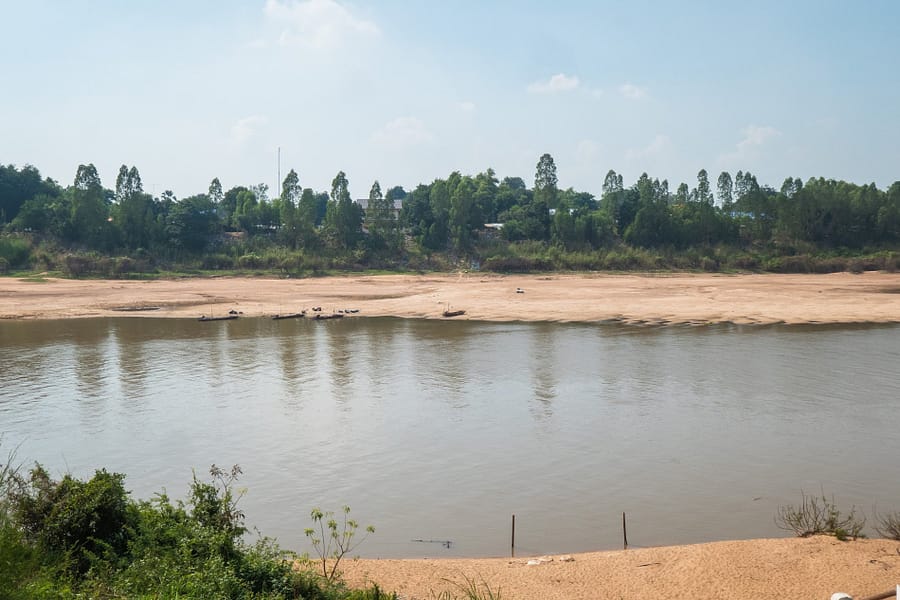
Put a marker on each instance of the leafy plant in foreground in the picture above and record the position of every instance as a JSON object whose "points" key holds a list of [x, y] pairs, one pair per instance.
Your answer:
{"points": [[333, 541]]}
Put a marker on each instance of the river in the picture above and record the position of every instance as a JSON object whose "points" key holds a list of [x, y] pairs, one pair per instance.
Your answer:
{"points": [[440, 431]]}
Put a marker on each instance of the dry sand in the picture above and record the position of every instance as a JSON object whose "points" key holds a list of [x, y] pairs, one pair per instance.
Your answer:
{"points": [[786, 568], [794, 568], [646, 299]]}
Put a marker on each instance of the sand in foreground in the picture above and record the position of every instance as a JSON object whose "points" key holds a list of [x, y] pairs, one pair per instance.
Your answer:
{"points": [[796, 568], [646, 299]]}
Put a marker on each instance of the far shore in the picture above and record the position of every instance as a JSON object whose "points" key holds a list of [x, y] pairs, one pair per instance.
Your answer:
{"points": [[798, 568], [649, 299]]}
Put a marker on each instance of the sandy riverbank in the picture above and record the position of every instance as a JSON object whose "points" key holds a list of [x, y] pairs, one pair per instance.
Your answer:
{"points": [[645, 298], [810, 568]]}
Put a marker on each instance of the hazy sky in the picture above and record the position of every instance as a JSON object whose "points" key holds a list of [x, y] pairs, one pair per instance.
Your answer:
{"points": [[407, 91]]}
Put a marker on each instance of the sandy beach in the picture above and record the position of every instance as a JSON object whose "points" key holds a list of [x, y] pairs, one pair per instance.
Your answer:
{"points": [[797, 568], [654, 299]]}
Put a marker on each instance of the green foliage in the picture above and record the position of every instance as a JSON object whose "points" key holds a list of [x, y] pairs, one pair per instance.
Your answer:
{"points": [[71, 520], [86, 539], [85, 230], [14, 251], [817, 515], [332, 541]]}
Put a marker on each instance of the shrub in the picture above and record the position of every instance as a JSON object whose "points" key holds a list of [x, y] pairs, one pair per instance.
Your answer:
{"points": [[889, 525], [15, 251], [72, 519], [216, 262], [333, 541], [819, 516]]}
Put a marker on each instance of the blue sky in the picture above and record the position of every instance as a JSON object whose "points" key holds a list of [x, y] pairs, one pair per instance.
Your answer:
{"points": [[405, 92]]}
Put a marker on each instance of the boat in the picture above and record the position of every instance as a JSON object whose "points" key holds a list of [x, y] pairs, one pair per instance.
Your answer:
{"points": [[225, 318], [454, 313], [321, 317], [298, 315]]}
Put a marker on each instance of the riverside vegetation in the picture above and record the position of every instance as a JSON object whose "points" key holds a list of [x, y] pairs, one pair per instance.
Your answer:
{"points": [[72, 538], [461, 221]]}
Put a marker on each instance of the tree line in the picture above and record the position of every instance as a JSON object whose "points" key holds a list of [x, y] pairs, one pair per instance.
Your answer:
{"points": [[449, 215]]}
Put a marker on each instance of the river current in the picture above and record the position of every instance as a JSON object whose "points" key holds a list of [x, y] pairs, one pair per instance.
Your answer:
{"points": [[437, 431]]}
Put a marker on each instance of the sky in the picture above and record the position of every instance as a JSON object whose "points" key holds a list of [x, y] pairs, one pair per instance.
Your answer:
{"points": [[406, 92]]}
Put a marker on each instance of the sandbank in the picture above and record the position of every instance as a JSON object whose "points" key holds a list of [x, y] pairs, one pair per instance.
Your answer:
{"points": [[654, 299], [798, 568]]}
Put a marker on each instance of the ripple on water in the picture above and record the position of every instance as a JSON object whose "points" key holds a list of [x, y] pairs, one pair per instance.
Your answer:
{"points": [[442, 430]]}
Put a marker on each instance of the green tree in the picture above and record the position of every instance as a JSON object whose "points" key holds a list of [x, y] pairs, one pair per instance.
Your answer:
{"points": [[439, 201], [134, 214], [191, 222], [702, 192], [17, 186], [215, 193], [246, 213], [307, 218], [725, 189], [229, 204], [381, 220], [464, 215], [546, 189], [486, 188], [613, 196], [90, 209], [546, 196], [291, 193], [682, 195], [343, 219]]}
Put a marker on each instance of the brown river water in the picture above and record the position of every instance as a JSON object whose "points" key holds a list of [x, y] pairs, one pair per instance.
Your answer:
{"points": [[437, 431]]}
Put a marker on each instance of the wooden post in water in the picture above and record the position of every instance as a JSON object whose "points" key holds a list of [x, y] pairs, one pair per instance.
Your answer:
{"points": [[513, 540], [624, 531]]}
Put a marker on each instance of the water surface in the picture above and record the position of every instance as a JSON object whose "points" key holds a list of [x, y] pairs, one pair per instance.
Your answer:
{"points": [[435, 430]]}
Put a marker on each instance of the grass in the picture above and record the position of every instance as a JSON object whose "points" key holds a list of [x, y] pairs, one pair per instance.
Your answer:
{"points": [[469, 589]]}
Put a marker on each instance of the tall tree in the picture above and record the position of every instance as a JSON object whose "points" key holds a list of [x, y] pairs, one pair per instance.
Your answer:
{"points": [[134, 214], [545, 181], [439, 201], [215, 193], [612, 183], [485, 195], [380, 219], [725, 188], [89, 208], [546, 196], [683, 194], [343, 219], [291, 192], [702, 193], [463, 214]]}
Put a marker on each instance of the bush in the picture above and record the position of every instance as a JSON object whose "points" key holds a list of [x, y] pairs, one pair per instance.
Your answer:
{"points": [[819, 516], [889, 525], [72, 539], [216, 262], [14, 251], [74, 520]]}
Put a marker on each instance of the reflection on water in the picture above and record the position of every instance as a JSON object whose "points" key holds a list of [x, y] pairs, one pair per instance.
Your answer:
{"points": [[441, 430]]}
